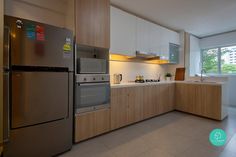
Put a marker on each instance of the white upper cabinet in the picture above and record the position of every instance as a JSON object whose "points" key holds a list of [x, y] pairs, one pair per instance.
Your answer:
{"points": [[123, 32], [143, 35], [130, 34], [154, 39], [167, 37]]}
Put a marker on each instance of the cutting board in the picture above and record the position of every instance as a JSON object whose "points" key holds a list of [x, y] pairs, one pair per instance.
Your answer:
{"points": [[179, 74]]}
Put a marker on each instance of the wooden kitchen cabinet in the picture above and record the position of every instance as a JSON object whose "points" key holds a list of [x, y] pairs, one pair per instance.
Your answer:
{"points": [[135, 104], [209, 101], [93, 23], [186, 97], [166, 98], [91, 124], [119, 103], [126, 106], [150, 101], [200, 99]]}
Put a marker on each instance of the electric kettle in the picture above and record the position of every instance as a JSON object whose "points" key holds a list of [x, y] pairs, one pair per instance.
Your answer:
{"points": [[117, 78]]}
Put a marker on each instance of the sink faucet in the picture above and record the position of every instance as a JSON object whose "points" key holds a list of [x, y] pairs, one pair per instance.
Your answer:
{"points": [[202, 71]]}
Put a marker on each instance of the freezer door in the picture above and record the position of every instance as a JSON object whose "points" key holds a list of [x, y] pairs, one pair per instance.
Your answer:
{"points": [[39, 97], [37, 44]]}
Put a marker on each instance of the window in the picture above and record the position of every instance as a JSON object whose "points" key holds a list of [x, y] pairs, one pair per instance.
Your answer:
{"points": [[228, 66], [210, 61], [221, 60]]}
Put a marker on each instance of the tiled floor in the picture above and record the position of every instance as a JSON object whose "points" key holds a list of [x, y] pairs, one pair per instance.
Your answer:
{"points": [[171, 135]]}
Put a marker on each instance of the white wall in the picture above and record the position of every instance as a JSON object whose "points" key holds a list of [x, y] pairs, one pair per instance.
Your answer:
{"points": [[218, 40], [195, 56], [130, 70], [232, 90]]}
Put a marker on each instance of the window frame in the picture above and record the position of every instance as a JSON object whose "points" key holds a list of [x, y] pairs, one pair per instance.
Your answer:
{"points": [[219, 53]]}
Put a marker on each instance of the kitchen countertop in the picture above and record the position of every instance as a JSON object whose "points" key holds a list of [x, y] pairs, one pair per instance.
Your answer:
{"points": [[202, 83], [133, 84]]}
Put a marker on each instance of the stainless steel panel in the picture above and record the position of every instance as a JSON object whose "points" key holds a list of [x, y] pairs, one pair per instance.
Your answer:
{"points": [[6, 107], [37, 44], [45, 140], [86, 78], [6, 52], [88, 109], [92, 66], [39, 97]]}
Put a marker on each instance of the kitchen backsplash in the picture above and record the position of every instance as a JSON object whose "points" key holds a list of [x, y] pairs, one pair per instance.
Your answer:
{"points": [[129, 70]]}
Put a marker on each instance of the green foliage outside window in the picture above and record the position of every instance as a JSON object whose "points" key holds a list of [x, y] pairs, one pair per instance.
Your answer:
{"points": [[211, 58]]}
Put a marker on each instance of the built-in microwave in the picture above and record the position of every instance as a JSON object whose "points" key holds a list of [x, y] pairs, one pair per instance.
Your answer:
{"points": [[92, 66]]}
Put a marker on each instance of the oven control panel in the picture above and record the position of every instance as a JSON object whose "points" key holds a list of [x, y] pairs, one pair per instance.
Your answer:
{"points": [[85, 78]]}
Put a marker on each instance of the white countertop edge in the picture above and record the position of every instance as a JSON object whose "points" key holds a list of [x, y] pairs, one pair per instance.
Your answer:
{"points": [[140, 84], [163, 82]]}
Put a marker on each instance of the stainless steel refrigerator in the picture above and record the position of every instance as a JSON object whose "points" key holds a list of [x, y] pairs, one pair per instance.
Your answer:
{"points": [[38, 89]]}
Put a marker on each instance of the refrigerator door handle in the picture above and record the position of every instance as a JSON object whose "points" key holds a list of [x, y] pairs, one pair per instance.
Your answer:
{"points": [[6, 107], [6, 54]]}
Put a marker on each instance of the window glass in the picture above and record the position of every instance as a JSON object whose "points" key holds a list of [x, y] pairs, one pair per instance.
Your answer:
{"points": [[228, 60], [210, 61]]}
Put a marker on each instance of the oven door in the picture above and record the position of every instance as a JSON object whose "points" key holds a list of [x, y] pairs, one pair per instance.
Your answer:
{"points": [[92, 96]]}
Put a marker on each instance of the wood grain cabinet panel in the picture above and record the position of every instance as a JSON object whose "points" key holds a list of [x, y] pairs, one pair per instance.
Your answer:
{"points": [[135, 104], [93, 23], [84, 126], [213, 100], [126, 106], [101, 121], [185, 97], [165, 98], [119, 104], [200, 99], [150, 102], [91, 124]]}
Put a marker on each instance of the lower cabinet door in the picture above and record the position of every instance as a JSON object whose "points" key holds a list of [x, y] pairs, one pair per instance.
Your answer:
{"points": [[91, 124], [119, 104], [135, 105], [150, 101]]}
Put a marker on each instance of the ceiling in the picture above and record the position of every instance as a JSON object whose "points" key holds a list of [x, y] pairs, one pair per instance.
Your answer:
{"points": [[199, 17]]}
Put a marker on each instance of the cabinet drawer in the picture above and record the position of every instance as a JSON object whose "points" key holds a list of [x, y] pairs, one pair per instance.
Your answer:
{"points": [[91, 124]]}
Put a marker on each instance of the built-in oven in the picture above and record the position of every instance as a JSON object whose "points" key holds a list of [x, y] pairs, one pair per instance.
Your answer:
{"points": [[92, 66], [92, 92]]}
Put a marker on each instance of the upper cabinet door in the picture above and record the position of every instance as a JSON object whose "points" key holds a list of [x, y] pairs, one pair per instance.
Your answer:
{"points": [[93, 23], [143, 35], [123, 32], [154, 39], [175, 38]]}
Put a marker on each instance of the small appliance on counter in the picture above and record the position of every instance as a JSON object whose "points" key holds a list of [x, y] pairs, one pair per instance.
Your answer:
{"points": [[152, 80], [139, 79], [117, 78]]}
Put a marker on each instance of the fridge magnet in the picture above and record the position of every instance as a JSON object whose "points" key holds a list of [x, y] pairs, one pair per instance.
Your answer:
{"points": [[40, 33], [30, 31]]}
